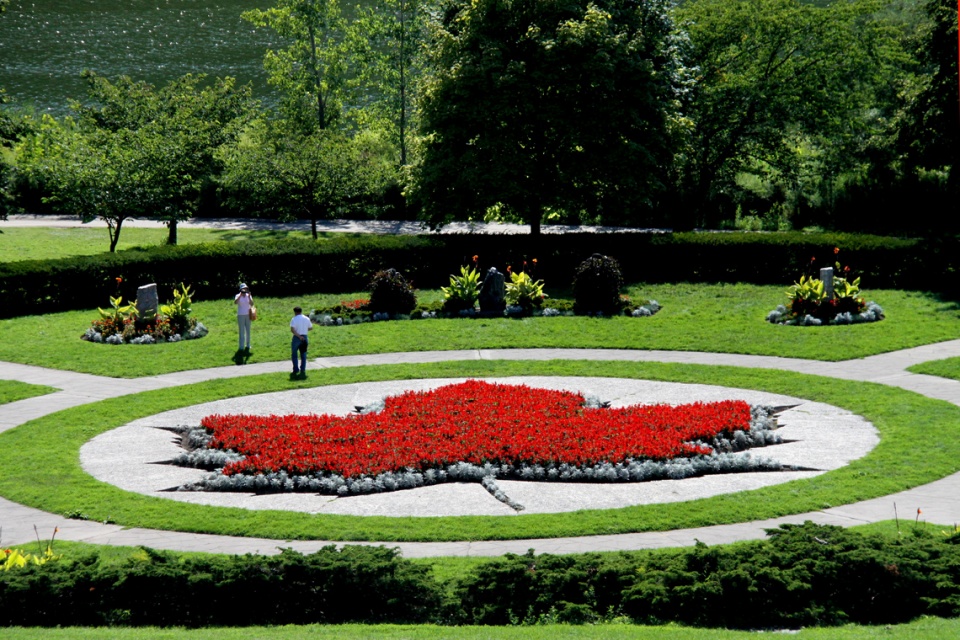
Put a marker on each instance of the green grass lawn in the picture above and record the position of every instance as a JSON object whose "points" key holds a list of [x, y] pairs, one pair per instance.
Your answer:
{"points": [[50, 477], [922, 629], [695, 317], [44, 243], [946, 368], [13, 390]]}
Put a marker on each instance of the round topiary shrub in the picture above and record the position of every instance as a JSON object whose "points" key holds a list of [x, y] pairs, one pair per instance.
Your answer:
{"points": [[596, 286], [391, 293]]}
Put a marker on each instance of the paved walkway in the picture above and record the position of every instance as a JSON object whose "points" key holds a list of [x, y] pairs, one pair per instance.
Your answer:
{"points": [[387, 227], [940, 500]]}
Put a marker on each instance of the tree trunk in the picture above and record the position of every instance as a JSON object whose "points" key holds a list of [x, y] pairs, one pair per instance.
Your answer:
{"points": [[114, 231], [172, 235], [313, 226], [535, 225]]}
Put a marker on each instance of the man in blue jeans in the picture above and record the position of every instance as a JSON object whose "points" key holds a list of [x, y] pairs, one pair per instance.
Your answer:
{"points": [[299, 327]]}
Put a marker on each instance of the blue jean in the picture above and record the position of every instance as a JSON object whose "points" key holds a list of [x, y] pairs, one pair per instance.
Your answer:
{"points": [[299, 345], [243, 324]]}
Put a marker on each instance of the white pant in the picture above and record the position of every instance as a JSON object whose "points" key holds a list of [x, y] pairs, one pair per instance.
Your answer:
{"points": [[243, 323]]}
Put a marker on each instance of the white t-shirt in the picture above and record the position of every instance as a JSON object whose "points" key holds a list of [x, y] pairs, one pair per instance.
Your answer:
{"points": [[301, 324], [244, 302]]}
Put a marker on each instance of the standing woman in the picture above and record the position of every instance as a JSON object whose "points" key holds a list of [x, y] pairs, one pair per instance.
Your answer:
{"points": [[244, 302]]}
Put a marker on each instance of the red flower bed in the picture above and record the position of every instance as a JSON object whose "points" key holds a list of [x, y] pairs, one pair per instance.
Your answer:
{"points": [[475, 422]]}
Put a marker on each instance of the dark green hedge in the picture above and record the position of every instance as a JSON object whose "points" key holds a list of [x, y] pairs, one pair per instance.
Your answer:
{"points": [[357, 584], [346, 263], [803, 575]]}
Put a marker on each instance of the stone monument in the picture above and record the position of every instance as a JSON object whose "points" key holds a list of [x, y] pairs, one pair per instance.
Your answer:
{"points": [[147, 300], [826, 276], [493, 293]]}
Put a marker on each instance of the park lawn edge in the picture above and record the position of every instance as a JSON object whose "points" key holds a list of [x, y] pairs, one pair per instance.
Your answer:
{"points": [[14, 391], [925, 628], [721, 318], [948, 368], [919, 443]]}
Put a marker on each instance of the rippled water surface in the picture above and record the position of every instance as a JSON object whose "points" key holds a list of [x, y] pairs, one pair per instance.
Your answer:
{"points": [[45, 44]]}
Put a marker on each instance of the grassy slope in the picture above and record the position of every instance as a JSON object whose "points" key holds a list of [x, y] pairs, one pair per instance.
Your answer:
{"points": [[946, 368], [13, 390], [51, 478], [44, 243], [724, 318], [922, 629]]}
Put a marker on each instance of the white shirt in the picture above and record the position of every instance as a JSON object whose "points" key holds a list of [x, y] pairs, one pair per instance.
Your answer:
{"points": [[301, 324], [244, 302]]}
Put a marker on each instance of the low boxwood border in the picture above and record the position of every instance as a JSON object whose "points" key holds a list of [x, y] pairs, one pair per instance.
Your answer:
{"points": [[920, 442]]}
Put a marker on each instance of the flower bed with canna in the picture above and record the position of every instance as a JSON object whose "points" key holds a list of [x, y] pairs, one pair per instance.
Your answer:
{"points": [[832, 299], [124, 324], [512, 293]]}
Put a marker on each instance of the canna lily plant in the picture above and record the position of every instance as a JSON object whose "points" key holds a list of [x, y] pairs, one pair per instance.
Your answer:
{"points": [[524, 291], [464, 290]]}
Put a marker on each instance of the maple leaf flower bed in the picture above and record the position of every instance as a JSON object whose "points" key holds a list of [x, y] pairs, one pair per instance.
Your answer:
{"points": [[477, 431]]}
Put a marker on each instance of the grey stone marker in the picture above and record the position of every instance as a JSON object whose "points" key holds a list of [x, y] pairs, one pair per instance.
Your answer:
{"points": [[493, 293], [147, 300], [826, 275]]}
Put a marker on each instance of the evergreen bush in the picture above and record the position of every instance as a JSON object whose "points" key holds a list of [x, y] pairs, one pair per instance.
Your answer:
{"points": [[391, 293], [596, 286]]}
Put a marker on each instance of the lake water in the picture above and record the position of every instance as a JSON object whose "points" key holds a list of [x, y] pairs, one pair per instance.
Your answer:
{"points": [[45, 44]]}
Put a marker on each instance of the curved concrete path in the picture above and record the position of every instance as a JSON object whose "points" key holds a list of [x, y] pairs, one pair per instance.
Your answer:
{"points": [[939, 501]]}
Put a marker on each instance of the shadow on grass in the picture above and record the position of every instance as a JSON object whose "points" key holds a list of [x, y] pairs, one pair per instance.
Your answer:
{"points": [[241, 356]]}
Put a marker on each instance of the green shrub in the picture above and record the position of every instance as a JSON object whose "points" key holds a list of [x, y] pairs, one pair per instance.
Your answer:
{"points": [[391, 293], [463, 292], [347, 262], [597, 284]]}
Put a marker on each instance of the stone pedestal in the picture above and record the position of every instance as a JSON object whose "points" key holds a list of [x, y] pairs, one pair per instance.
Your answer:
{"points": [[826, 276], [147, 300], [493, 293]]}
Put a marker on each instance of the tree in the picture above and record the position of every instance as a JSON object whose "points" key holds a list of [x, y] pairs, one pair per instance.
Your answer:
{"points": [[135, 151], [929, 139], [106, 176], [389, 37], [536, 105], [312, 72], [290, 175], [182, 124], [771, 73]]}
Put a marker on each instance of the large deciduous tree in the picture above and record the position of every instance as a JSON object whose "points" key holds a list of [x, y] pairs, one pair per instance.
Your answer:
{"points": [[929, 139], [771, 73], [540, 105], [134, 150], [184, 122], [291, 175], [312, 73], [92, 176], [390, 38]]}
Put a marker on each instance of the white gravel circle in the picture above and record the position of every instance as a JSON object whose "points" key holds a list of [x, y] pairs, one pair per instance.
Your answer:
{"points": [[817, 436]]}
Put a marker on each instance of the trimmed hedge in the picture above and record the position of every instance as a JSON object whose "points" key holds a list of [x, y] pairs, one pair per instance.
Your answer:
{"points": [[356, 584], [803, 575], [346, 263]]}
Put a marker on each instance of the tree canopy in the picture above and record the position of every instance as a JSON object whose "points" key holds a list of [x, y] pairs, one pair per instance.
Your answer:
{"points": [[536, 105], [135, 150]]}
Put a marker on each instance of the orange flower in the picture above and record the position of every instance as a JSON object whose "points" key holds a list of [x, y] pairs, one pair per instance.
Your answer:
{"points": [[119, 280], [508, 268], [475, 258], [836, 250], [534, 261]]}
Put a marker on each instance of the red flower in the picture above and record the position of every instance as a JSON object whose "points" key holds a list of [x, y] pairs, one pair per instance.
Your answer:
{"points": [[475, 422]]}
